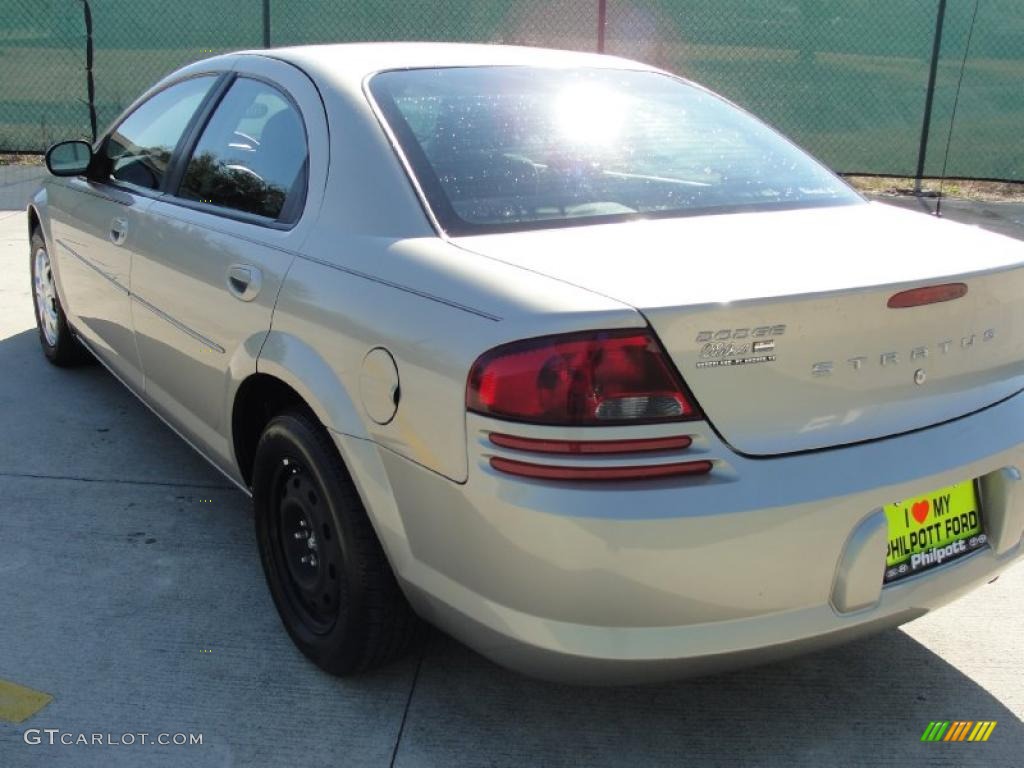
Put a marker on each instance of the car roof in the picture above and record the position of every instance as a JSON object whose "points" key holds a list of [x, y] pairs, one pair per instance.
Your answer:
{"points": [[349, 64]]}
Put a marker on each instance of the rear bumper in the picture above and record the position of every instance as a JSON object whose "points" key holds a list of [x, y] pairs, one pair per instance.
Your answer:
{"points": [[627, 583], [589, 655]]}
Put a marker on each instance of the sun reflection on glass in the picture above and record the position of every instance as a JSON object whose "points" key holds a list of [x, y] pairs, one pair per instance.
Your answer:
{"points": [[589, 114]]}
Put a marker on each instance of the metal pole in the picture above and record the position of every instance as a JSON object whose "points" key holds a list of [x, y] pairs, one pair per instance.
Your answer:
{"points": [[266, 23], [90, 83], [602, 18], [929, 98]]}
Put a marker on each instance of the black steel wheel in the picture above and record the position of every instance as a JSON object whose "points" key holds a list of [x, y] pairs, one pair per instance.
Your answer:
{"points": [[303, 558], [324, 565]]}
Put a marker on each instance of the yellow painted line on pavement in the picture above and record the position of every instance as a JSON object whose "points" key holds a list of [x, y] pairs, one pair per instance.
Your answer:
{"points": [[19, 703]]}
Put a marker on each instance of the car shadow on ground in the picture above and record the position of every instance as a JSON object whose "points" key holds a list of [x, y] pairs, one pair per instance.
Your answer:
{"points": [[866, 702], [81, 422]]}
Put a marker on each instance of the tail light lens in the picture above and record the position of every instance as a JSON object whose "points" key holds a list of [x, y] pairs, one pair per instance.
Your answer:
{"points": [[593, 378], [591, 447], [650, 472]]}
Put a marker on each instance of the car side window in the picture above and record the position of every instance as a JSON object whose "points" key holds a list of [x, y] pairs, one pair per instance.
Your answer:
{"points": [[140, 148], [252, 154]]}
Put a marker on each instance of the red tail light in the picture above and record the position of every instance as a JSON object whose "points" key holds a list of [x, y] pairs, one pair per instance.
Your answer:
{"points": [[591, 447], [648, 472], [593, 378]]}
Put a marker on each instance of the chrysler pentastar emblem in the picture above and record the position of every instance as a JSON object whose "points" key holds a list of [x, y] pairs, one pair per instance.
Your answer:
{"points": [[920, 376]]}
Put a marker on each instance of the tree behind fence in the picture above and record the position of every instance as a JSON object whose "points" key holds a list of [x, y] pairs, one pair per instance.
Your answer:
{"points": [[845, 78]]}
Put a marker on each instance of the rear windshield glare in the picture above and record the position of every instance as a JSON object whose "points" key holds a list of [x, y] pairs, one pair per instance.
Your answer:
{"points": [[505, 148]]}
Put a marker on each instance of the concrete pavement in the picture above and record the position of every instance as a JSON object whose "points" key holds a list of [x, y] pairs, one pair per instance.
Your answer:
{"points": [[130, 590], [17, 183], [1005, 218]]}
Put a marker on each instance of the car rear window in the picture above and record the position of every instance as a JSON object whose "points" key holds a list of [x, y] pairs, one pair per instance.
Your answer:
{"points": [[501, 148]]}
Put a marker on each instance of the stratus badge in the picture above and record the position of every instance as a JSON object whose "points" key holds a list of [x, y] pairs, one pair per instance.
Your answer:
{"points": [[967, 344]]}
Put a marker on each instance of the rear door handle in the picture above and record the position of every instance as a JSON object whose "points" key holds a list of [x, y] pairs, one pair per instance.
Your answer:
{"points": [[244, 281], [118, 231]]}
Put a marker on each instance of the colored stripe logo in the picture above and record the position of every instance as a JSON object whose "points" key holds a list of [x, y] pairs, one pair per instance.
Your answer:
{"points": [[958, 730]]}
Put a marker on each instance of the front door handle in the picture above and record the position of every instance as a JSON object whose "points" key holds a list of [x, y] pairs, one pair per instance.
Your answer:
{"points": [[244, 281], [118, 231]]}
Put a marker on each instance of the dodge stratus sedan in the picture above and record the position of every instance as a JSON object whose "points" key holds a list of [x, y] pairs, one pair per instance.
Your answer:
{"points": [[561, 353]]}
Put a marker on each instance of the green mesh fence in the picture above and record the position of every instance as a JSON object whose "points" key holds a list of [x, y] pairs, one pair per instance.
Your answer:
{"points": [[43, 96], [985, 138], [847, 79]]}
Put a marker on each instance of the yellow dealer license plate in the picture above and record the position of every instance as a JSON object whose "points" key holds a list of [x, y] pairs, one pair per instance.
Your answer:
{"points": [[926, 531]]}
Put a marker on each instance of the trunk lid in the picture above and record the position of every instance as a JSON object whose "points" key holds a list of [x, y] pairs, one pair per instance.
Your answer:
{"points": [[778, 322]]}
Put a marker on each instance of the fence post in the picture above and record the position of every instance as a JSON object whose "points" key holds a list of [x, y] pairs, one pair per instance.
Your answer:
{"points": [[929, 98], [90, 84], [602, 18], [266, 23]]}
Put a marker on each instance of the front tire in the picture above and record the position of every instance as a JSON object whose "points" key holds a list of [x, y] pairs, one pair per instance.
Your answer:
{"points": [[324, 565], [55, 336]]}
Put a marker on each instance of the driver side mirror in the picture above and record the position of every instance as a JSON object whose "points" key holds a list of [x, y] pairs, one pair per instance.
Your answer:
{"points": [[69, 158]]}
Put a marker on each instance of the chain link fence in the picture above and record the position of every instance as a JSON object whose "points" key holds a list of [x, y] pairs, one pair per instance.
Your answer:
{"points": [[43, 96], [848, 79]]}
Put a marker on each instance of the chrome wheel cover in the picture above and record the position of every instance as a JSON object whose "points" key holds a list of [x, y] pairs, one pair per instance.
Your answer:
{"points": [[46, 296]]}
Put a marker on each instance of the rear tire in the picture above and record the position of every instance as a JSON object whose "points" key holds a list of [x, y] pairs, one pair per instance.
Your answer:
{"points": [[324, 565], [55, 335]]}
